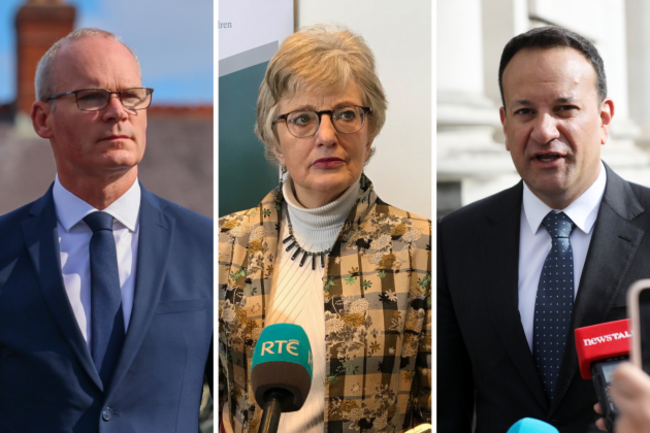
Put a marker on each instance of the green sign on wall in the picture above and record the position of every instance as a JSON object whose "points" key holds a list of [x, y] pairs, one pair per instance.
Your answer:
{"points": [[245, 176]]}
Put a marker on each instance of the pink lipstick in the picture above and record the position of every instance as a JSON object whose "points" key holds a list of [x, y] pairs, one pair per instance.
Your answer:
{"points": [[328, 163]]}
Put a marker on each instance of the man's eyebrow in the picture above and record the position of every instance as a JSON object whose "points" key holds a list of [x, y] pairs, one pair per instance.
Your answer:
{"points": [[562, 100], [566, 99]]}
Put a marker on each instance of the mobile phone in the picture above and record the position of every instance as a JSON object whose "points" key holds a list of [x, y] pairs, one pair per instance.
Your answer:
{"points": [[602, 377], [638, 308]]}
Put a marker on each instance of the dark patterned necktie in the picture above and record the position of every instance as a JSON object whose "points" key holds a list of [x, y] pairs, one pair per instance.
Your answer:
{"points": [[554, 302], [107, 323]]}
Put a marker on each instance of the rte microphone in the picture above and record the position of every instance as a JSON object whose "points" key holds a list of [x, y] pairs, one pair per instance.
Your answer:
{"points": [[600, 349], [281, 372], [532, 425]]}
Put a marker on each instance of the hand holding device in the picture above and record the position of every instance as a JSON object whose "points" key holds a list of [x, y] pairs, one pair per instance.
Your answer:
{"points": [[630, 391], [630, 388], [638, 308]]}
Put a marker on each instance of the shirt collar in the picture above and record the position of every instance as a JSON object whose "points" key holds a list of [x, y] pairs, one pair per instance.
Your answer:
{"points": [[582, 211], [327, 217], [70, 209]]}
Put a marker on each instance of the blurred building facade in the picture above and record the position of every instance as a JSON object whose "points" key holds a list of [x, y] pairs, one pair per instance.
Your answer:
{"points": [[472, 162], [178, 164]]}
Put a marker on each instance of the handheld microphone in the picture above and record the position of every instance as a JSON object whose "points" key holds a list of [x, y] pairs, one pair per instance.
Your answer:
{"points": [[600, 349], [281, 372], [532, 425]]}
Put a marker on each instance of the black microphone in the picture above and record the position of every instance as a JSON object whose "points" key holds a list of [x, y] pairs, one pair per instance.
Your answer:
{"points": [[281, 372]]}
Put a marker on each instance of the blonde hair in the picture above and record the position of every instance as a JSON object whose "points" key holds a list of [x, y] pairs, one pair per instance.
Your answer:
{"points": [[44, 81], [323, 59]]}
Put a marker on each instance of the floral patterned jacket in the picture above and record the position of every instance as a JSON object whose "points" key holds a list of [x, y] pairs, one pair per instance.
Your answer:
{"points": [[377, 290]]}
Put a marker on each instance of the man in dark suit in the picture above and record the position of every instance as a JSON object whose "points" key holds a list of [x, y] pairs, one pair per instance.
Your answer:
{"points": [[106, 311], [518, 272]]}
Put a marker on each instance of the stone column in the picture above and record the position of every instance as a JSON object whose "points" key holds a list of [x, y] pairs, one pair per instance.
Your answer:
{"points": [[470, 163], [39, 24], [637, 15]]}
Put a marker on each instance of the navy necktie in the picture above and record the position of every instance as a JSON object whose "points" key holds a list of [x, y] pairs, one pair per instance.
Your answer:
{"points": [[554, 302], [107, 324]]}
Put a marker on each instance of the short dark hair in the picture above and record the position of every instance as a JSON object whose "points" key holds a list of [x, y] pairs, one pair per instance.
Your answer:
{"points": [[553, 37]]}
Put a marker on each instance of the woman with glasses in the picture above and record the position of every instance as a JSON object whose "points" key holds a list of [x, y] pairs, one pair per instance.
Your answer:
{"points": [[323, 251]]}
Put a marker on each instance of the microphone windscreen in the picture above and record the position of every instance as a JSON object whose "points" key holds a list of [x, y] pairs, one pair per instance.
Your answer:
{"points": [[282, 361], [602, 341], [532, 425]]}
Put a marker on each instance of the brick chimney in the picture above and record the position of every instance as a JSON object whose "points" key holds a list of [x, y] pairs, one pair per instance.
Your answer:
{"points": [[39, 24]]}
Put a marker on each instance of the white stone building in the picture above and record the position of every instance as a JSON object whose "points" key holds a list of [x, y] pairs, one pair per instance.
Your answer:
{"points": [[472, 161]]}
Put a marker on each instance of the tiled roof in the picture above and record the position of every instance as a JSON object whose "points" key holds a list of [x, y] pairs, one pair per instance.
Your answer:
{"points": [[178, 163]]}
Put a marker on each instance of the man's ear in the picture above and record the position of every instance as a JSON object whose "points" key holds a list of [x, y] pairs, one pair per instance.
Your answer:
{"points": [[41, 113], [606, 115], [502, 115]]}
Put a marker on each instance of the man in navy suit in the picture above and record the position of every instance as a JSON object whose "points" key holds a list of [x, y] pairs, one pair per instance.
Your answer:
{"points": [[519, 271], [106, 311]]}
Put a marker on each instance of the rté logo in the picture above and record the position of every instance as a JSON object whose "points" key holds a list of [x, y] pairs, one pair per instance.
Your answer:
{"points": [[290, 346]]}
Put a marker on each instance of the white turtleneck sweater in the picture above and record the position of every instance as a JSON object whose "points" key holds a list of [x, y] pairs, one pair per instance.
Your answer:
{"points": [[297, 293]]}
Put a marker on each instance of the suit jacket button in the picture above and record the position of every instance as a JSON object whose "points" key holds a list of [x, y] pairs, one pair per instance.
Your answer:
{"points": [[107, 414]]}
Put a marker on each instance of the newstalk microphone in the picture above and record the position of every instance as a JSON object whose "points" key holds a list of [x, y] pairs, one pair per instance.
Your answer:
{"points": [[600, 349], [281, 372]]}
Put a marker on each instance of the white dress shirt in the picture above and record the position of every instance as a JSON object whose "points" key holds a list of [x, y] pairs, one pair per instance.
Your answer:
{"points": [[535, 243], [74, 241]]}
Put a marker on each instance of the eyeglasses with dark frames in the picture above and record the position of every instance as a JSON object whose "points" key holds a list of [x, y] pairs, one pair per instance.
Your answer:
{"points": [[305, 123], [136, 98]]}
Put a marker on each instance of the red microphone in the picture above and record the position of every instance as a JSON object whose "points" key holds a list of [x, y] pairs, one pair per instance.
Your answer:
{"points": [[600, 349]]}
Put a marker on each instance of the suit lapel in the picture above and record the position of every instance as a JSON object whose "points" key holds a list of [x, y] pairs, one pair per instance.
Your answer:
{"points": [[41, 238], [500, 248], [156, 232], [613, 246]]}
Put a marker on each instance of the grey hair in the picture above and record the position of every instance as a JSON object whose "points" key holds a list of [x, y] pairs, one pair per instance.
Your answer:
{"points": [[44, 81], [324, 59]]}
